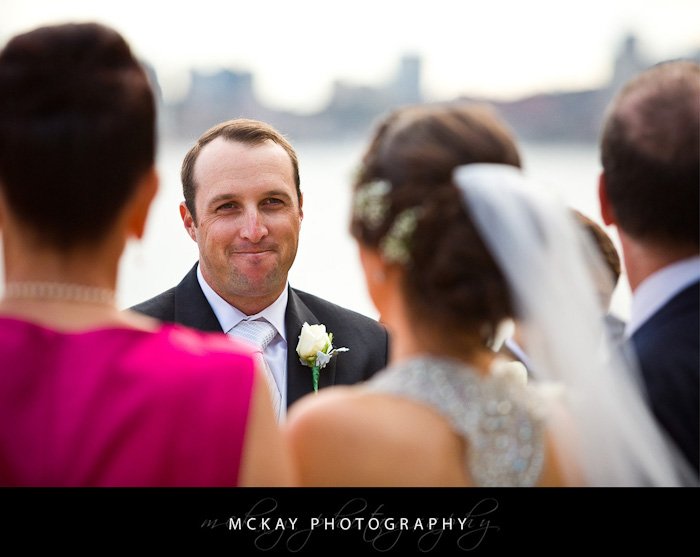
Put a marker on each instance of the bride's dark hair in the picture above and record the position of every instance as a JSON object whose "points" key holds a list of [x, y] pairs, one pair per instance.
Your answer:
{"points": [[450, 279]]}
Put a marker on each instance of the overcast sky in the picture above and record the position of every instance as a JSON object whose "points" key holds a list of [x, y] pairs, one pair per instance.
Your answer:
{"points": [[297, 48]]}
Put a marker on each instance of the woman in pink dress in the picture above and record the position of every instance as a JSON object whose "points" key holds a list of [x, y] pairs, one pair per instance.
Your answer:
{"points": [[91, 395]]}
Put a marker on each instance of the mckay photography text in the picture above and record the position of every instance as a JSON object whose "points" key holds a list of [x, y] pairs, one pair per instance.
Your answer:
{"points": [[377, 525]]}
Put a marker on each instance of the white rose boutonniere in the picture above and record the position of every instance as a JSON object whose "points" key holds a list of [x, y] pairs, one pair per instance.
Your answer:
{"points": [[315, 349]]}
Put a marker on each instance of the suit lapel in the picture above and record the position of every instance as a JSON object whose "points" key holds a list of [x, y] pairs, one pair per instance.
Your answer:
{"points": [[191, 306], [299, 376], [193, 310]]}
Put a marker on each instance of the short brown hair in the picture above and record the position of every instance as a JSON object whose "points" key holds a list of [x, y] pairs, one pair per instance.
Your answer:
{"points": [[242, 130], [650, 151]]}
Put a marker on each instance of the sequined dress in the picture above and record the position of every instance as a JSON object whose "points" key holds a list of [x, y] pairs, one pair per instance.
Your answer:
{"points": [[501, 420]]}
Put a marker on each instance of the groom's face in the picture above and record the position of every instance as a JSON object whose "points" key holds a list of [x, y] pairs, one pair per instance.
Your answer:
{"points": [[248, 220]]}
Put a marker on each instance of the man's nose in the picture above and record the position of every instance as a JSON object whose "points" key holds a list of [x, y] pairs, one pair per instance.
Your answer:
{"points": [[253, 228]]}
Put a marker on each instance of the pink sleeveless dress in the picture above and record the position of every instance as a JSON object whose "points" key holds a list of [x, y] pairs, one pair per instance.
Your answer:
{"points": [[121, 407]]}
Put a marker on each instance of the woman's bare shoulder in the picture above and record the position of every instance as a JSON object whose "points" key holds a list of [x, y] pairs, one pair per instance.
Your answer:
{"points": [[352, 436]]}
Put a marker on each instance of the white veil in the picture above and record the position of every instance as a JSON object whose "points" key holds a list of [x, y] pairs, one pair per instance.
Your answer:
{"points": [[552, 269]]}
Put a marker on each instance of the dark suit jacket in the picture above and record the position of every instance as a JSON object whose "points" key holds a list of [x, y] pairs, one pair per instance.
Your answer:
{"points": [[667, 348], [366, 339]]}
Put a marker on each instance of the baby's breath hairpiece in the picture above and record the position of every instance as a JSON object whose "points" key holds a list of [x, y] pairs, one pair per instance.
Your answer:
{"points": [[371, 203], [396, 245]]}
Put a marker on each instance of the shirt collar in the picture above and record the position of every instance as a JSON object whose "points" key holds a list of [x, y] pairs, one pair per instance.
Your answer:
{"points": [[230, 316], [658, 288]]}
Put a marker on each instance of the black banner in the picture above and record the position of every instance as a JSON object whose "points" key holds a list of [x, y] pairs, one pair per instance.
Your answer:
{"points": [[304, 521]]}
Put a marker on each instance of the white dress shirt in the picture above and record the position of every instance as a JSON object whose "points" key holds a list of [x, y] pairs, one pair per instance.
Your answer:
{"points": [[658, 288], [276, 352]]}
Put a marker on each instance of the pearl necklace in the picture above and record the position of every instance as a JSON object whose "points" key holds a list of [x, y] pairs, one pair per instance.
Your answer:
{"points": [[58, 291]]}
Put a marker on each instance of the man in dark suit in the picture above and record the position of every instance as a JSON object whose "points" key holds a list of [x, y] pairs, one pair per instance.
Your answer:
{"points": [[243, 208], [649, 190]]}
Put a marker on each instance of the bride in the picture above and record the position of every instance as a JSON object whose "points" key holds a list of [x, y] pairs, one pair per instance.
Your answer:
{"points": [[454, 243]]}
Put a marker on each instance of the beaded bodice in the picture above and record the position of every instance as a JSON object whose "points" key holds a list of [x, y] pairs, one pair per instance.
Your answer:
{"points": [[499, 418]]}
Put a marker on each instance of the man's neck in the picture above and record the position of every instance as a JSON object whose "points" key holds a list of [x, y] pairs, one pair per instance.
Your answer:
{"points": [[252, 306], [643, 259]]}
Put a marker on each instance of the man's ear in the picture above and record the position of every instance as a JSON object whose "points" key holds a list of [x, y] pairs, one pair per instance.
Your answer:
{"points": [[606, 211], [188, 221]]}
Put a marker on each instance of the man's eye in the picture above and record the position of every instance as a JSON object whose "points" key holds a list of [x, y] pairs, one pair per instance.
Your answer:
{"points": [[273, 201]]}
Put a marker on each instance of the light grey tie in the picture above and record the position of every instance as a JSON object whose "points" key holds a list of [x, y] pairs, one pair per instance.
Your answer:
{"points": [[259, 334]]}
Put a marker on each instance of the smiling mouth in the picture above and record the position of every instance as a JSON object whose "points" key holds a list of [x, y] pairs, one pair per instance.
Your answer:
{"points": [[252, 252]]}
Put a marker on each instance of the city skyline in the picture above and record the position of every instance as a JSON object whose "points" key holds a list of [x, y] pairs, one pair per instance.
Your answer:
{"points": [[503, 49], [573, 116]]}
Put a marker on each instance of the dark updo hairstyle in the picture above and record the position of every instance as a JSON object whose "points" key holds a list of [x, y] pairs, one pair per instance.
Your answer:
{"points": [[77, 131], [450, 278]]}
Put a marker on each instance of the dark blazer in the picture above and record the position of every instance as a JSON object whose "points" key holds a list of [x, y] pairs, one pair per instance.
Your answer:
{"points": [[366, 339], [668, 347]]}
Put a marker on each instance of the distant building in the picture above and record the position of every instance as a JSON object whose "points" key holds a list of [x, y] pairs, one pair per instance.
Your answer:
{"points": [[628, 63], [406, 87], [213, 98]]}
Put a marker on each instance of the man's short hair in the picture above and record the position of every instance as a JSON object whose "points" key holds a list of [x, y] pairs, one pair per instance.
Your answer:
{"points": [[650, 154]]}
